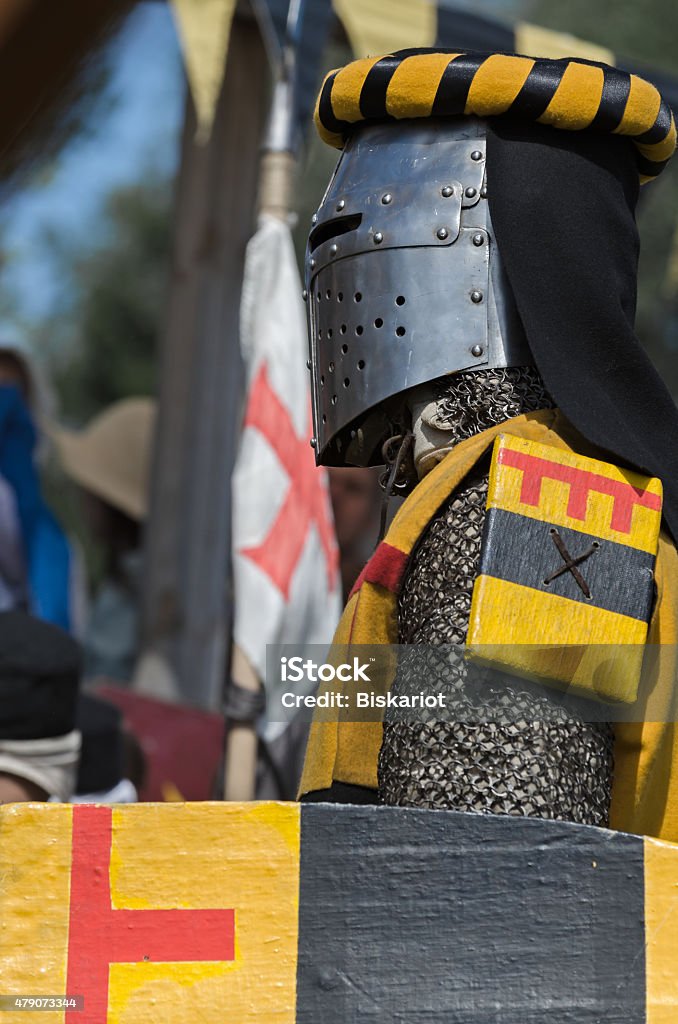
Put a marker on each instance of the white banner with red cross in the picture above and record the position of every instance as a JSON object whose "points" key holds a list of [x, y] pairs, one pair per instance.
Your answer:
{"points": [[287, 585]]}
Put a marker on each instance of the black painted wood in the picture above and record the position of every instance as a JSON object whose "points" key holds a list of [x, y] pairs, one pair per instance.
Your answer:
{"points": [[521, 550], [423, 917]]}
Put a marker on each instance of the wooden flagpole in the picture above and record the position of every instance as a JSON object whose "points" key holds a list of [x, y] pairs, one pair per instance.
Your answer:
{"points": [[277, 168]]}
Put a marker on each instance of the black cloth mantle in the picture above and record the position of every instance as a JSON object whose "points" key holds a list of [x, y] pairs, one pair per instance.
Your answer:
{"points": [[562, 207]]}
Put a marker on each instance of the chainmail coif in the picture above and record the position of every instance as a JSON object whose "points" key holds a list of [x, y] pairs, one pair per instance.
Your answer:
{"points": [[535, 759]]}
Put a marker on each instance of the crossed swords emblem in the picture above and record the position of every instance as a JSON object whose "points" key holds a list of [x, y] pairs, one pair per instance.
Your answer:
{"points": [[570, 562]]}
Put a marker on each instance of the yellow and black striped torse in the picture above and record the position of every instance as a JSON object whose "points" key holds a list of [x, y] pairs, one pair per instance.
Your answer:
{"points": [[572, 95]]}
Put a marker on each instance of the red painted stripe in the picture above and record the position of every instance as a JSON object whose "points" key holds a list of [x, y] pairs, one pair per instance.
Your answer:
{"points": [[358, 583], [100, 935], [89, 911], [385, 567], [581, 482]]}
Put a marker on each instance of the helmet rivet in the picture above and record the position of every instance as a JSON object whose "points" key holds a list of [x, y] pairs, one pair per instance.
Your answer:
{"points": [[483, 192], [478, 238], [334, 249], [470, 192], [476, 155], [312, 264], [442, 233], [476, 296], [477, 350], [340, 205], [378, 238], [314, 218], [304, 295], [386, 199], [313, 442], [447, 191]]}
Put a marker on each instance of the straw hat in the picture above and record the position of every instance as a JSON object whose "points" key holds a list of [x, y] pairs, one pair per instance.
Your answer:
{"points": [[111, 456]]}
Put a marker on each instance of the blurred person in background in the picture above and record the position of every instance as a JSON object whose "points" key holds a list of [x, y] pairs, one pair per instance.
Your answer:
{"points": [[112, 764], [109, 461], [38, 570], [39, 739], [356, 504]]}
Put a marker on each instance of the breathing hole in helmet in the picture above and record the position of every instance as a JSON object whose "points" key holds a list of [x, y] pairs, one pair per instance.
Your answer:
{"points": [[328, 294], [324, 418], [320, 332], [342, 329], [378, 322], [329, 332], [340, 296], [359, 330], [333, 229], [322, 382], [334, 399], [344, 349], [400, 300], [361, 364], [358, 297], [401, 332], [331, 367], [347, 382]]}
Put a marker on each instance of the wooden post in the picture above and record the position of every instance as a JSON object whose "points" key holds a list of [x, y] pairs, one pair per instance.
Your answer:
{"points": [[187, 590], [276, 174]]}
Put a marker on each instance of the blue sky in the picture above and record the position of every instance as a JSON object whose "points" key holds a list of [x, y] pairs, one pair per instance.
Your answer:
{"points": [[140, 130]]}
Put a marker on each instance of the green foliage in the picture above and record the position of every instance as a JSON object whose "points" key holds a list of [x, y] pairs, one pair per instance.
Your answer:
{"points": [[100, 345], [103, 345], [643, 31]]}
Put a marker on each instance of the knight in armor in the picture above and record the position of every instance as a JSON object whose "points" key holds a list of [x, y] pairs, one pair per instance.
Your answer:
{"points": [[471, 278]]}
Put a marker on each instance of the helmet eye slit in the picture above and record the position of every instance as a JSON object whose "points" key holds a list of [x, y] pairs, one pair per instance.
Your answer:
{"points": [[333, 229]]}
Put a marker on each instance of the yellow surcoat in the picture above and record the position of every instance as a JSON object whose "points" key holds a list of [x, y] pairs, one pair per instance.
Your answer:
{"points": [[645, 787]]}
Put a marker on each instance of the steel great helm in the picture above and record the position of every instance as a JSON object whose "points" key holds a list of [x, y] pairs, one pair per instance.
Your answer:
{"points": [[448, 162], [403, 278]]}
